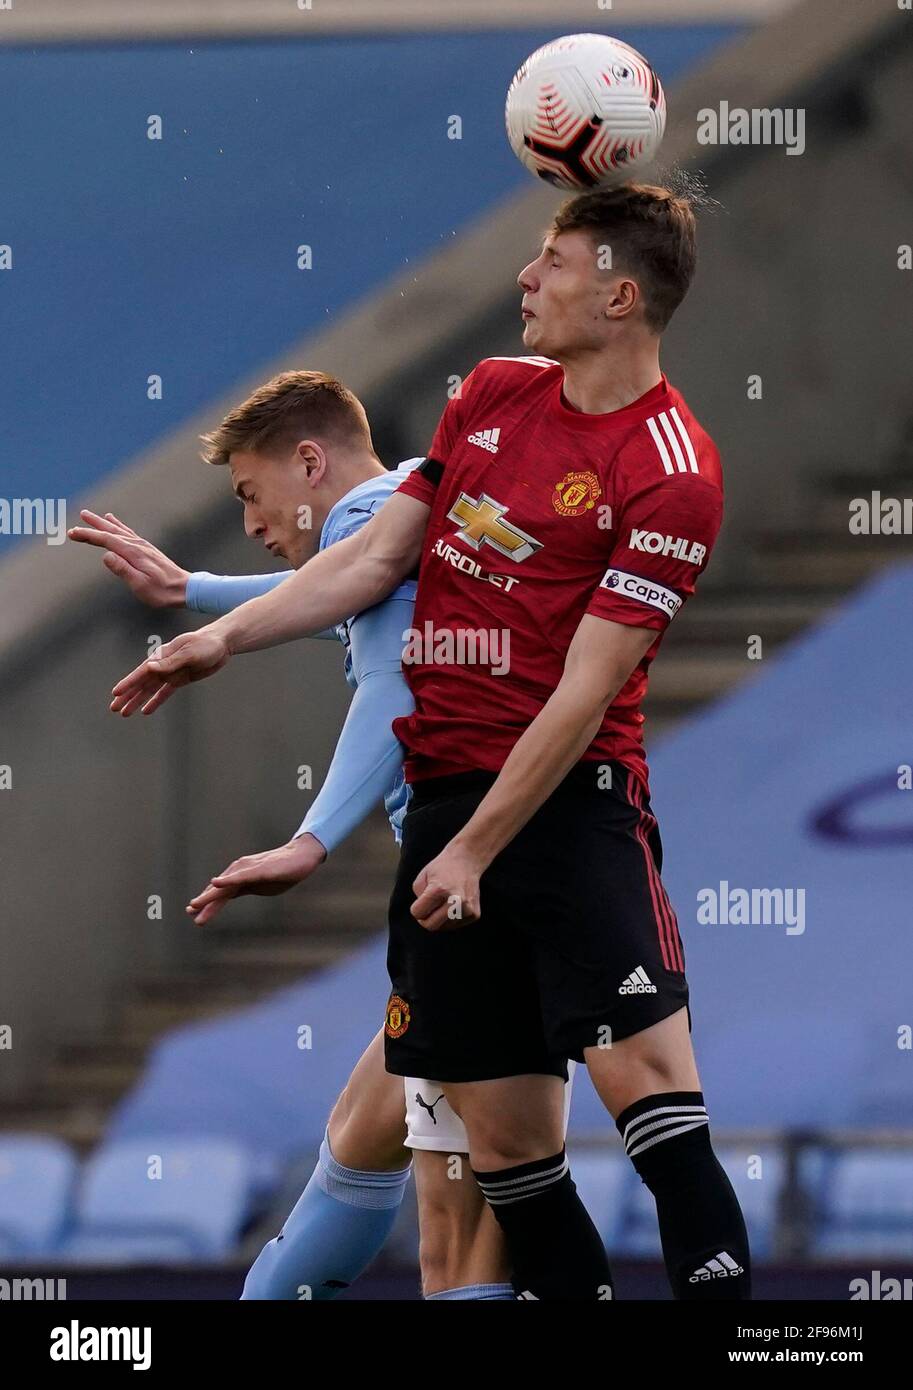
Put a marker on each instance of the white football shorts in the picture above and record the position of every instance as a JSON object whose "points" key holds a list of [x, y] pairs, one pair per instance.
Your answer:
{"points": [[433, 1125]]}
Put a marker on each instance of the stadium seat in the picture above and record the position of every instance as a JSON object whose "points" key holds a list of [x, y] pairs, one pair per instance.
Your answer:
{"points": [[637, 1230], [36, 1182], [604, 1178], [637, 1233], [863, 1203], [193, 1212], [758, 1195]]}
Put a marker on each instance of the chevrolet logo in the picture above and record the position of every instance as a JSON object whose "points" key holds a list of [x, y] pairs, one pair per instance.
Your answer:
{"points": [[484, 521]]}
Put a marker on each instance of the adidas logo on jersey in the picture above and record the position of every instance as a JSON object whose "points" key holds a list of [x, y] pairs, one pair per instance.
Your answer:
{"points": [[638, 982], [722, 1266], [486, 439]]}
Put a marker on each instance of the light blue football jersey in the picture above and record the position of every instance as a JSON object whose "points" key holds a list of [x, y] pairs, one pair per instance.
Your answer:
{"points": [[348, 515]]}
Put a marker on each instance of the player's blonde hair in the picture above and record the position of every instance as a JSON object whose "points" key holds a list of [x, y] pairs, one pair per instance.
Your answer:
{"points": [[292, 406], [652, 234]]}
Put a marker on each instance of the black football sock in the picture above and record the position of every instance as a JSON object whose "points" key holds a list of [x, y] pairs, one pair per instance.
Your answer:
{"points": [[705, 1243], [555, 1250]]}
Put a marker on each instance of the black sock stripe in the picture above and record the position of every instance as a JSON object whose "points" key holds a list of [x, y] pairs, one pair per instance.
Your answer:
{"points": [[639, 1107], [658, 1116], [522, 1170], [534, 1191], [648, 1143], [634, 1133], [509, 1185], [501, 1184]]}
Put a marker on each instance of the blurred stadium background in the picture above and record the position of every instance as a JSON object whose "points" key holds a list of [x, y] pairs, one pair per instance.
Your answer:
{"points": [[124, 1032]]}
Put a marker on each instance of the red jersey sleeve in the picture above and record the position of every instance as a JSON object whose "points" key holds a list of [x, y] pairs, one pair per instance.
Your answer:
{"points": [[664, 535], [422, 481]]}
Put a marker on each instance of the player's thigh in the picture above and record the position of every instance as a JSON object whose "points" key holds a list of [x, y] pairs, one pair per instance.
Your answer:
{"points": [[660, 1058], [514, 1119], [368, 1123], [605, 937], [449, 1200], [465, 1002]]}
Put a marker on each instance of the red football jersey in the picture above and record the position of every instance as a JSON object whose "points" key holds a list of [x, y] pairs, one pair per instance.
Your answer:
{"points": [[540, 514]]}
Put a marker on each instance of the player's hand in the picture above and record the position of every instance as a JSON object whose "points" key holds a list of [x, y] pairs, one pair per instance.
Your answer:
{"points": [[267, 874], [447, 890], [147, 571], [191, 657]]}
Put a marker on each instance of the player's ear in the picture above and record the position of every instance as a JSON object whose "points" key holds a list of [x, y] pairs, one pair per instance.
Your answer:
{"points": [[621, 298], [314, 460]]}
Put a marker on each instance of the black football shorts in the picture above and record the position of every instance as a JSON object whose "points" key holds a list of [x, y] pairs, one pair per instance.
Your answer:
{"points": [[577, 945]]}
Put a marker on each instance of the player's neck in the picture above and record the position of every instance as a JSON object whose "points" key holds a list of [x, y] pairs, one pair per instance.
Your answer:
{"points": [[345, 473], [599, 382], [353, 469]]}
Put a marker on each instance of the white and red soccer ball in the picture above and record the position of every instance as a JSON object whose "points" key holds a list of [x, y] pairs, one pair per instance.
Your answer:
{"points": [[585, 110]]}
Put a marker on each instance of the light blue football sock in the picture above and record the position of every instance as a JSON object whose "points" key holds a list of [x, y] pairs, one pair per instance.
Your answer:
{"points": [[335, 1229], [475, 1291]]}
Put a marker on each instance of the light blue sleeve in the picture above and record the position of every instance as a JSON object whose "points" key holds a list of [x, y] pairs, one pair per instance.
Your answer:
{"points": [[220, 593], [368, 757]]}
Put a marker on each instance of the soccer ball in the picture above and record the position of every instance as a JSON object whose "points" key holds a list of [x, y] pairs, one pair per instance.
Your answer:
{"points": [[585, 110]]}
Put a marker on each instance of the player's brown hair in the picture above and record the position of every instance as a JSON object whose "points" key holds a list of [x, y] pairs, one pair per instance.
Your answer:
{"points": [[292, 406], [652, 235]]}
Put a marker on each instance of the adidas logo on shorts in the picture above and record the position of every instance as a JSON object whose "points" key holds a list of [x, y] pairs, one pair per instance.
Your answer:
{"points": [[638, 982], [722, 1266]]}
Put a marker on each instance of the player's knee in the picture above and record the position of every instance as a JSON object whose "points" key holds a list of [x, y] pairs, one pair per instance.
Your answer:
{"points": [[641, 1066], [367, 1137], [339, 1114], [493, 1145], [343, 1135], [658, 1074]]}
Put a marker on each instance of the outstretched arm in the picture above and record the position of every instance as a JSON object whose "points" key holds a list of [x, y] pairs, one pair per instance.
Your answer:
{"points": [[348, 577], [149, 574], [155, 579], [220, 593]]}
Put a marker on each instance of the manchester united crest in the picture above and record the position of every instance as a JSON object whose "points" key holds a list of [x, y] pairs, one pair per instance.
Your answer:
{"points": [[576, 494], [398, 1017]]}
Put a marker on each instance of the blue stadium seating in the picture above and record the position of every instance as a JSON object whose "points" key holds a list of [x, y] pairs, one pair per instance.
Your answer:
{"points": [[194, 1211], [863, 1203], [625, 1213], [36, 1182], [605, 1181], [758, 1195]]}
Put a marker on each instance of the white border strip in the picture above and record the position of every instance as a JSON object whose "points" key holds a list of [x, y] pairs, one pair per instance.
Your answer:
{"points": [[55, 21]]}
